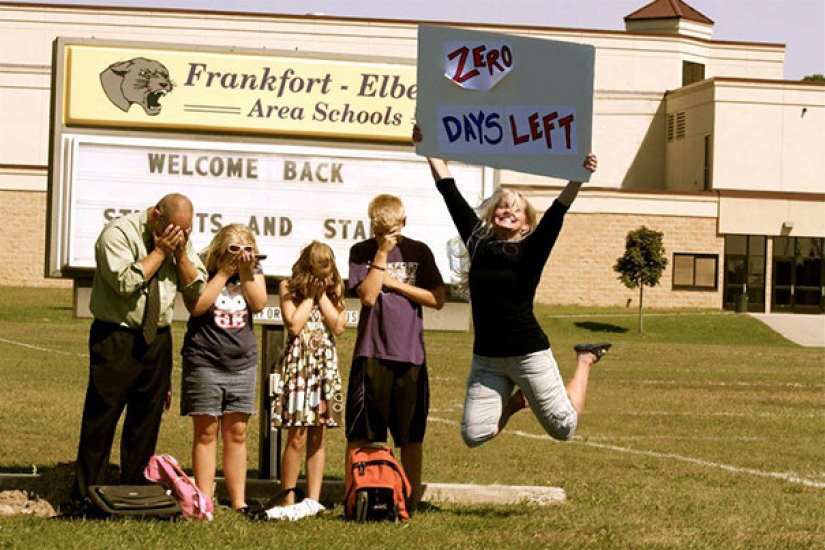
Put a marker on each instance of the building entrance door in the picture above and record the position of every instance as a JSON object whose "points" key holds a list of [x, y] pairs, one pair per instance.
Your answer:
{"points": [[745, 278], [798, 277]]}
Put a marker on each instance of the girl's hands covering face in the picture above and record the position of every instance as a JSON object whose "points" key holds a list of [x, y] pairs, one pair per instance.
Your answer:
{"points": [[246, 260], [228, 265], [319, 283]]}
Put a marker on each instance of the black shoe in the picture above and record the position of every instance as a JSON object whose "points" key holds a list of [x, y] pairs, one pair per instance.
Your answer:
{"points": [[248, 512], [596, 349], [79, 509]]}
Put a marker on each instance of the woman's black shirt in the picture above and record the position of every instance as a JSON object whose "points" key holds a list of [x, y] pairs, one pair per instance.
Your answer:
{"points": [[503, 278]]}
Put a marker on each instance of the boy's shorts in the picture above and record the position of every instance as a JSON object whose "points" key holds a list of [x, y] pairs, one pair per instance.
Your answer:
{"points": [[387, 395]]}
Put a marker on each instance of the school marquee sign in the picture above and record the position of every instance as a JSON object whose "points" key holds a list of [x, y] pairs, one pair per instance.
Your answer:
{"points": [[288, 195], [133, 122], [186, 89]]}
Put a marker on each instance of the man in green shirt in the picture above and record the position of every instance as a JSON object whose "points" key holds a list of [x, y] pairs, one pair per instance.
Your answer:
{"points": [[143, 260]]}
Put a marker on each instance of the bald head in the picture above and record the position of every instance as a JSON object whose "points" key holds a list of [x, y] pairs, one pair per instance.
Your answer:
{"points": [[174, 204], [174, 209]]}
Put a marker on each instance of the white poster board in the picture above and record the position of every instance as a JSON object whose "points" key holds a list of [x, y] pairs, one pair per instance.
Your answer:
{"points": [[288, 195], [523, 104]]}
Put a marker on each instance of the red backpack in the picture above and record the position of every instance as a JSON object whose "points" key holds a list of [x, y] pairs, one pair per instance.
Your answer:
{"points": [[377, 488], [164, 469]]}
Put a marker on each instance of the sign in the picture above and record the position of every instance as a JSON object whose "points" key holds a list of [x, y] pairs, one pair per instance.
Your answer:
{"points": [[262, 93], [271, 315], [523, 104], [287, 195]]}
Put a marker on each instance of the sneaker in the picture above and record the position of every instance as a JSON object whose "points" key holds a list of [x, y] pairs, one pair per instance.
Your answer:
{"points": [[596, 349], [313, 507], [294, 512], [274, 513]]}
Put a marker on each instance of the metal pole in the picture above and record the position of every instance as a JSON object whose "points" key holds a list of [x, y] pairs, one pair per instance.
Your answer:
{"points": [[269, 448]]}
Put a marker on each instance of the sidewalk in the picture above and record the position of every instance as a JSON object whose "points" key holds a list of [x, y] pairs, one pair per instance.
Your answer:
{"points": [[805, 330]]}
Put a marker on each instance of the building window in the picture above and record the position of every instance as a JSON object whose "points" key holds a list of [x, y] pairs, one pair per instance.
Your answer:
{"points": [[676, 124], [695, 271], [708, 164], [692, 72]]}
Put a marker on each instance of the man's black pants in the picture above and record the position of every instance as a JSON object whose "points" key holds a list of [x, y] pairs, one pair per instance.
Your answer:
{"points": [[123, 373]]}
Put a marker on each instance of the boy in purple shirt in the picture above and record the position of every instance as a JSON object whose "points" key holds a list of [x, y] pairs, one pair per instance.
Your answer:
{"points": [[394, 277]]}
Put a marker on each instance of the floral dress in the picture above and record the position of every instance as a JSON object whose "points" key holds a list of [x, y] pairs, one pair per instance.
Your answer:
{"points": [[306, 386]]}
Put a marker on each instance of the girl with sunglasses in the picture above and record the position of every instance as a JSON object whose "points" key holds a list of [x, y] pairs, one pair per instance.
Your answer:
{"points": [[307, 387], [220, 356]]}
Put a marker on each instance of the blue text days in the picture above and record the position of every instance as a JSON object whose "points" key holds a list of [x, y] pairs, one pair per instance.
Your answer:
{"points": [[524, 129]]}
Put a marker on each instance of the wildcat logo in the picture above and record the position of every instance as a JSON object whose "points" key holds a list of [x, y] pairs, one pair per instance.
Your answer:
{"points": [[139, 80]]}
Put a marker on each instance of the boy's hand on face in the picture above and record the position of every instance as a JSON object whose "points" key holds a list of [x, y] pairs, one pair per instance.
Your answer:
{"points": [[389, 239]]}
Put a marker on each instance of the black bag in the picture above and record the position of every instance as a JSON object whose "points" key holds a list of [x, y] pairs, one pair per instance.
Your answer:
{"points": [[134, 501]]}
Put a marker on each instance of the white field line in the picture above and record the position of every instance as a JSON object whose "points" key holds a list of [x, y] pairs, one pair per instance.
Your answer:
{"points": [[670, 438], [728, 414], [38, 348], [47, 350], [692, 414], [734, 384], [792, 478]]}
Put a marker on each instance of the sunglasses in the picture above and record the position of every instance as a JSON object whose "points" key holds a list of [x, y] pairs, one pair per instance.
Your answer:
{"points": [[235, 248]]}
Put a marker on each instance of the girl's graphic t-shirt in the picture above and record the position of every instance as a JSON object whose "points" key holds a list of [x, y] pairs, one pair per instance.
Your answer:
{"points": [[224, 336]]}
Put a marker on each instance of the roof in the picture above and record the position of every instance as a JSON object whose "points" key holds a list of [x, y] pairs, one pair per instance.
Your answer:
{"points": [[668, 9]]}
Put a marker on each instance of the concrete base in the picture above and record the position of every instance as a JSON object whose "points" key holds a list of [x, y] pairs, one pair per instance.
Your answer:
{"points": [[333, 491]]}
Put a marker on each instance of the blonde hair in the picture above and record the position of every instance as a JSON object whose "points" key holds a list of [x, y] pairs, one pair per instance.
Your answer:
{"points": [[315, 255], [487, 209], [385, 212], [236, 233]]}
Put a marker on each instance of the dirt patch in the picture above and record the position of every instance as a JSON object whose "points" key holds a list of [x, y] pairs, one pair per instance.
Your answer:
{"points": [[21, 502], [44, 494]]}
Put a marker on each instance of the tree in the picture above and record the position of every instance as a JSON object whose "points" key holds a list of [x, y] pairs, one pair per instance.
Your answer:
{"points": [[643, 262], [819, 77]]}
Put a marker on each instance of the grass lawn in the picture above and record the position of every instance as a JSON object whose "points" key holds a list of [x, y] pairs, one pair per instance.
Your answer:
{"points": [[706, 431]]}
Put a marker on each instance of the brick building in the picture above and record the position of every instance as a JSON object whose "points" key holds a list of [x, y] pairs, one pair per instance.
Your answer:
{"points": [[698, 138]]}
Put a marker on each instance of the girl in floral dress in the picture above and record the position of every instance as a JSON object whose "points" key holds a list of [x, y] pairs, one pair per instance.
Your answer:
{"points": [[307, 387]]}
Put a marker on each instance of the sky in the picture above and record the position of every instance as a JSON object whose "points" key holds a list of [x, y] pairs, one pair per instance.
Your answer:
{"points": [[799, 24]]}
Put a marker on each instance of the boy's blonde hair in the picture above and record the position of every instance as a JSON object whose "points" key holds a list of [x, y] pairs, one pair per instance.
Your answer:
{"points": [[236, 233], [385, 212]]}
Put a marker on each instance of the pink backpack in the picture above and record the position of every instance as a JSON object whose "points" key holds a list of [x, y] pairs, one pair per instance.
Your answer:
{"points": [[164, 469]]}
